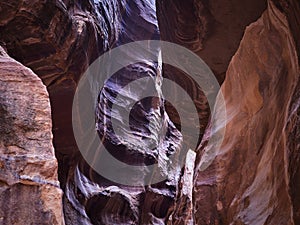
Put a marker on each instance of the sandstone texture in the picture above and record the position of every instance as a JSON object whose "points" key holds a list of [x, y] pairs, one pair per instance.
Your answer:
{"points": [[29, 188], [252, 178]]}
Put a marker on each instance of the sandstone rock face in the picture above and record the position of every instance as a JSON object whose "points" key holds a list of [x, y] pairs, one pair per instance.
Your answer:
{"points": [[255, 176], [103, 201], [29, 188], [251, 180], [211, 29]]}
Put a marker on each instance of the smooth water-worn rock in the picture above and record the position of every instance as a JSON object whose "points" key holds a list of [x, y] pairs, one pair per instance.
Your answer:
{"points": [[254, 178], [29, 188], [211, 29], [251, 178], [59, 40], [104, 201]]}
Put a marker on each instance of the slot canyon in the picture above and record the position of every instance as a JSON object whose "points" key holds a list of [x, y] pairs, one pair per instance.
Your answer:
{"points": [[250, 48]]}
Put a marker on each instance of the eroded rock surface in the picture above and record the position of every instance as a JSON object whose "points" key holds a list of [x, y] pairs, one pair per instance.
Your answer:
{"points": [[103, 201], [29, 188], [251, 179], [255, 176], [211, 29]]}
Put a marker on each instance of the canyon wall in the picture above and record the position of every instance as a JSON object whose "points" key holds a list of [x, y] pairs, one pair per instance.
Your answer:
{"points": [[29, 188], [253, 49], [250, 178]]}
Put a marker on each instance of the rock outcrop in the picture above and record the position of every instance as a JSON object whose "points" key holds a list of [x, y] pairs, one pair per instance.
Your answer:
{"points": [[29, 188]]}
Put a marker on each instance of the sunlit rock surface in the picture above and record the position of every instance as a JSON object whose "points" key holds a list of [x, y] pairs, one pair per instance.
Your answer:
{"points": [[212, 30], [255, 176], [252, 180], [29, 188]]}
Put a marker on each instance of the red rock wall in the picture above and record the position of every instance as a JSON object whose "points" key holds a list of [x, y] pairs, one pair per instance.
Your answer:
{"points": [[29, 188], [250, 175], [254, 178]]}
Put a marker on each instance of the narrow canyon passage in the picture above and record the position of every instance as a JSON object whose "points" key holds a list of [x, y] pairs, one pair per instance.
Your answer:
{"points": [[250, 47]]}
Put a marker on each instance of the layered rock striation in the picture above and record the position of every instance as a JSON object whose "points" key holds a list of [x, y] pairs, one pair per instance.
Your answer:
{"points": [[251, 46], [29, 188], [250, 180]]}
